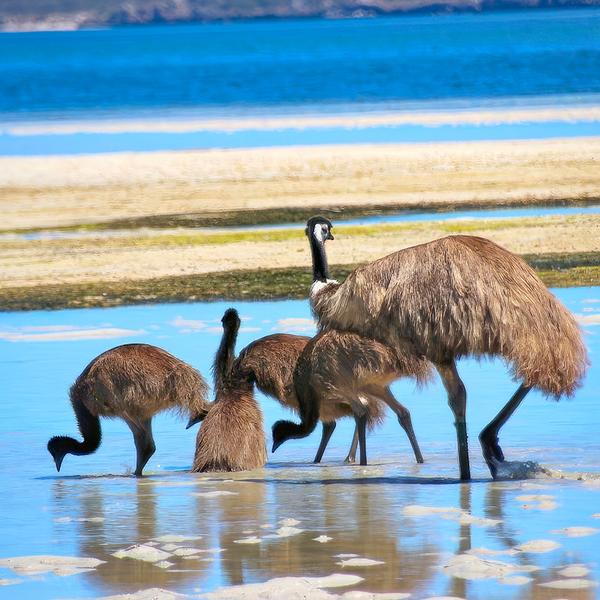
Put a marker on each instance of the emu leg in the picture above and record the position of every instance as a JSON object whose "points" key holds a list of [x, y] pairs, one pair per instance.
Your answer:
{"points": [[361, 427], [351, 458], [457, 400], [492, 452], [404, 419], [144, 443], [328, 429]]}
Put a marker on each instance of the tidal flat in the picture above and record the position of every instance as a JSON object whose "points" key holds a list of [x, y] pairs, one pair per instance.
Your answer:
{"points": [[393, 529]]}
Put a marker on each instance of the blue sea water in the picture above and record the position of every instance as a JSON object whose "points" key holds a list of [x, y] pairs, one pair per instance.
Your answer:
{"points": [[292, 67], [278, 64]]}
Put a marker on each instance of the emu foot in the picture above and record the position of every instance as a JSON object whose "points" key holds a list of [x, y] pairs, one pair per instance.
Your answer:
{"points": [[350, 460], [492, 452]]}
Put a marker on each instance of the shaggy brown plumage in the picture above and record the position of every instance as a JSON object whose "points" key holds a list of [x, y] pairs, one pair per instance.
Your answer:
{"points": [[338, 365], [462, 296], [456, 296], [270, 362], [133, 382], [349, 375], [231, 437]]}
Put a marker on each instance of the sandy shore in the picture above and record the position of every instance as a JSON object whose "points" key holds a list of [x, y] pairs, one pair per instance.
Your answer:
{"points": [[54, 192], [38, 192]]}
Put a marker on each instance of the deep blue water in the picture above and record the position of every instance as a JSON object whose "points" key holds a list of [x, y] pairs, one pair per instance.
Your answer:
{"points": [[291, 63]]}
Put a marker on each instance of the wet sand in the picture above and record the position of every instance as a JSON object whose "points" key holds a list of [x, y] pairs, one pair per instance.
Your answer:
{"points": [[180, 252]]}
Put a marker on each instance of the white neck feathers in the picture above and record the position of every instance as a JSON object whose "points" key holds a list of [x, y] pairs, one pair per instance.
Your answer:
{"points": [[318, 286]]}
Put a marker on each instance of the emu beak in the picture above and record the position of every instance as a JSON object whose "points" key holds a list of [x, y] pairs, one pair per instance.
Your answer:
{"points": [[275, 446], [330, 236], [58, 462], [194, 420]]}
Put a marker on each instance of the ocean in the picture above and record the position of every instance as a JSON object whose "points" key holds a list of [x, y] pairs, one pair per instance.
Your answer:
{"points": [[290, 64], [114, 86]]}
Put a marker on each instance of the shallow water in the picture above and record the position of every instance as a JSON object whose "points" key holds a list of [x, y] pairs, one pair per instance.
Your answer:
{"points": [[94, 509], [400, 217], [86, 143]]}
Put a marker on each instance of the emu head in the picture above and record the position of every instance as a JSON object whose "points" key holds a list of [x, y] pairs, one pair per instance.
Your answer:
{"points": [[197, 418], [319, 228], [55, 447], [231, 319]]}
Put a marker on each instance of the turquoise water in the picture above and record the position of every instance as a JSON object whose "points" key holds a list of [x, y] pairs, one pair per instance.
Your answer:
{"points": [[93, 508], [85, 143]]}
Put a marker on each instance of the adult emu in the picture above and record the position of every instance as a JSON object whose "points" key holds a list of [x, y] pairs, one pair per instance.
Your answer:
{"points": [[133, 382], [231, 437], [456, 296], [350, 375]]}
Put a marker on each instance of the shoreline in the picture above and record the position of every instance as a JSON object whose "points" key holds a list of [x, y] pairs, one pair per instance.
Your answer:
{"points": [[555, 270], [144, 218], [286, 216], [152, 14]]}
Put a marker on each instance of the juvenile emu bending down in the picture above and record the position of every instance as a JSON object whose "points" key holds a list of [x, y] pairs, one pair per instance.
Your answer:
{"points": [[338, 366], [343, 374], [231, 438], [453, 297], [134, 382]]}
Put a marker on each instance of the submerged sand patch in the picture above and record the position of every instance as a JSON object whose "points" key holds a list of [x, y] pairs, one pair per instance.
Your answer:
{"points": [[451, 513], [290, 588], [173, 538], [538, 502], [143, 552], [576, 531], [149, 594], [359, 562], [574, 571], [469, 566], [538, 546], [570, 584], [248, 540], [322, 539], [58, 565]]}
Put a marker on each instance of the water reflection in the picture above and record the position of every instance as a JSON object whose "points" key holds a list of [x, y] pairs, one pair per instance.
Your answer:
{"points": [[362, 512]]}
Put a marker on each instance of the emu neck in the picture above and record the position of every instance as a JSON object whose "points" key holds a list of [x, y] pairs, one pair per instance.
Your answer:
{"points": [[225, 354], [68, 445], [319, 260]]}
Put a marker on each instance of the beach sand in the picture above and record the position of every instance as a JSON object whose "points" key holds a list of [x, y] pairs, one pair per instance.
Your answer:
{"points": [[95, 191], [54, 191]]}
